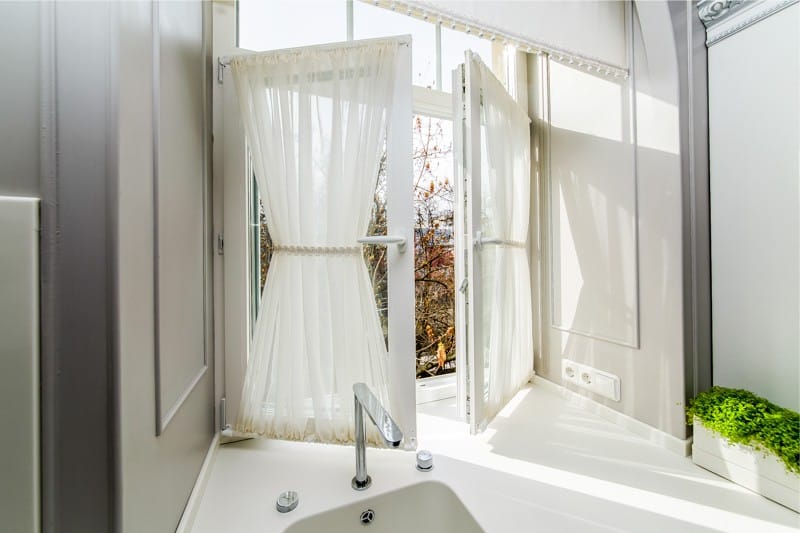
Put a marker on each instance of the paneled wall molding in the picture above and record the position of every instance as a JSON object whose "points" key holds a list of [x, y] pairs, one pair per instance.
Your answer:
{"points": [[723, 18], [168, 401], [633, 340]]}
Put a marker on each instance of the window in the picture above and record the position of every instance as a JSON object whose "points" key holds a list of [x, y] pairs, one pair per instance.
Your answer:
{"points": [[291, 23], [287, 24], [436, 51], [434, 260], [370, 22], [453, 45]]}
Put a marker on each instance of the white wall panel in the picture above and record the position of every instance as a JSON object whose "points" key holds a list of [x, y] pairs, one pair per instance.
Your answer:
{"points": [[181, 184], [754, 116], [614, 211], [157, 473], [592, 207], [19, 363]]}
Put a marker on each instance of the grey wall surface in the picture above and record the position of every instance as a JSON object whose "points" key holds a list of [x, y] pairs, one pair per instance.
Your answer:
{"points": [[755, 230], [77, 181], [20, 497], [603, 178], [19, 98], [162, 130], [78, 128]]}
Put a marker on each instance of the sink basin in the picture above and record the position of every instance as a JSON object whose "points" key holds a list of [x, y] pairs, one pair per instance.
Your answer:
{"points": [[428, 507]]}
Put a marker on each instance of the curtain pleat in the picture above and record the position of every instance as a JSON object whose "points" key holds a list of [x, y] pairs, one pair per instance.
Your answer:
{"points": [[315, 121]]}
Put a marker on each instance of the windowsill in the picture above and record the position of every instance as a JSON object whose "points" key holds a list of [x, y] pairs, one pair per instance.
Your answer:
{"points": [[546, 461], [436, 388]]}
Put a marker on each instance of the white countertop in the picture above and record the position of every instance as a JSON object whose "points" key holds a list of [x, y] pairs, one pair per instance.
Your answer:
{"points": [[542, 465]]}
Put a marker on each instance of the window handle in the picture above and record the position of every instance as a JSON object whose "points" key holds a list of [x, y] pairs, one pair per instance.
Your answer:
{"points": [[480, 240], [399, 240]]}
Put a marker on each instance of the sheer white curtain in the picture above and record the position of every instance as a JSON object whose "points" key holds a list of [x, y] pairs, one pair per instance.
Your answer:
{"points": [[315, 121], [507, 318]]}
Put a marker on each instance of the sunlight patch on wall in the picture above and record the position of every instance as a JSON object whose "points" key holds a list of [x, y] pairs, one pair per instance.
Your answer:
{"points": [[568, 272], [657, 124], [585, 103]]}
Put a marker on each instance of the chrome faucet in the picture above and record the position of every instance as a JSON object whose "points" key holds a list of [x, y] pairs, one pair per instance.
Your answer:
{"points": [[364, 399]]}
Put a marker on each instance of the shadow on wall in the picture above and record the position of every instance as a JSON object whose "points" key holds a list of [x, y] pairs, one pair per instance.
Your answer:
{"points": [[593, 225], [615, 240]]}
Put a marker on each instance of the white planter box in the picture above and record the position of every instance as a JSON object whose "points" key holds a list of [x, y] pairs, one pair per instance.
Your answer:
{"points": [[750, 468]]}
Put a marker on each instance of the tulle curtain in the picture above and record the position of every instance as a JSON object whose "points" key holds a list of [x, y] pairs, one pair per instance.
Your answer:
{"points": [[315, 122], [507, 319]]}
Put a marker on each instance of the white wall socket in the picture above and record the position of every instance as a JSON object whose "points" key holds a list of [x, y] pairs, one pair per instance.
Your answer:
{"points": [[591, 379]]}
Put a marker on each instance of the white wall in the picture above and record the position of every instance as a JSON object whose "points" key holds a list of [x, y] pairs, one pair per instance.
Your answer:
{"points": [[591, 28], [617, 301], [755, 230]]}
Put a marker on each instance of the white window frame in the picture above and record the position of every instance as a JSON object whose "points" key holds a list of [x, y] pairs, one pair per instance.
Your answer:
{"points": [[235, 192], [232, 201], [436, 104]]}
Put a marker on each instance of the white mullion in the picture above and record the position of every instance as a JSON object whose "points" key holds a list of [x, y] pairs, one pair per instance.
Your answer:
{"points": [[439, 79], [350, 23], [462, 241], [473, 224], [400, 215], [236, 258]]}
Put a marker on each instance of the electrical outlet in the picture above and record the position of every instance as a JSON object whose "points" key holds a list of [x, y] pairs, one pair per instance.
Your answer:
{"points": [[569, 371], [591, 379]]}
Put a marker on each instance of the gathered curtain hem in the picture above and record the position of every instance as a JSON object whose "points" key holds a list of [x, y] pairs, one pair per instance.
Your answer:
{"points": [[342, 435]]}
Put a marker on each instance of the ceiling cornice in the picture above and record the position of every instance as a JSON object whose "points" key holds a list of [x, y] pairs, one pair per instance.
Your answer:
{"points": [[723, 18]]}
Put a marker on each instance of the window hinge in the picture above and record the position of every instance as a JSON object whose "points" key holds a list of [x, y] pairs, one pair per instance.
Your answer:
{"points": [[223, 415], [220, 244], [220, 70]]}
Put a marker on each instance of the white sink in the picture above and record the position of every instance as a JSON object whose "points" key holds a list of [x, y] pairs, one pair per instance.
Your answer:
{"points": [[428, 507]]}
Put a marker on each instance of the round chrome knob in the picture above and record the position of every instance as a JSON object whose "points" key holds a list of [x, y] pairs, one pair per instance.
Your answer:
{"points": [[287, 501], [424, 461]]}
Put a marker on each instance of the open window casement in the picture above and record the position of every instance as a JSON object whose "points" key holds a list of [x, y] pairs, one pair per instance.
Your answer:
{"points": [[316, 117], [495, 326]]}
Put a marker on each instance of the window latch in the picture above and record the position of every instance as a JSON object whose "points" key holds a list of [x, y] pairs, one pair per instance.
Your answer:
{"points": [[463, 287]]}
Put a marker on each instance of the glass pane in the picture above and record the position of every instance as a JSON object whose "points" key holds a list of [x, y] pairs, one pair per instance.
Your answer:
{"points": [[374, 254], [370, 22], [288, 24], [454, 44], [261, 252], [434, 264]]}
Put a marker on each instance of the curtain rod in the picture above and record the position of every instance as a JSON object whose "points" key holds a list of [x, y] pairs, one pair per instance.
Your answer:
{"points": [[483, 31], [402, 40]]}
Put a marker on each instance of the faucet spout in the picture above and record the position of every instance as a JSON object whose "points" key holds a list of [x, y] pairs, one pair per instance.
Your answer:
{"points": [[365, 400]]}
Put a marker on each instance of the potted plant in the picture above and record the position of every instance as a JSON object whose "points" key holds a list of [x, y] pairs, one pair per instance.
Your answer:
{"points": [[748, 440]]}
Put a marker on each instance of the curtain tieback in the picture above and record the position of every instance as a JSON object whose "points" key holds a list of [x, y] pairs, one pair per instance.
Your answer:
{"points": [[316, 250]]}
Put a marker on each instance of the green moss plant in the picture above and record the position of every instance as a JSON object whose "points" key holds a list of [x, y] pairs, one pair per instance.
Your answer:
{"points": [[744, 418]]}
